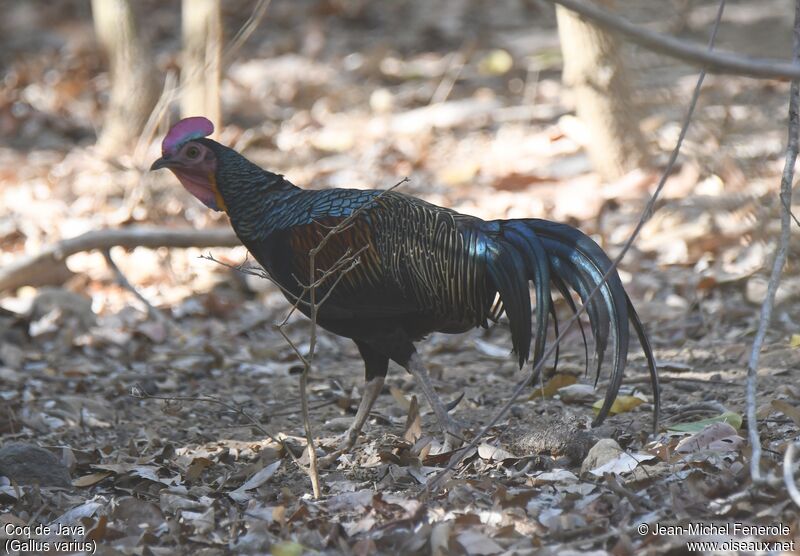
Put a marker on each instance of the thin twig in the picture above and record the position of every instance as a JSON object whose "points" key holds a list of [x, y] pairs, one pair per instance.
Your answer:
{"points": [[137, 391], [140, 393], [668, 379], [786, 206], [788, 473], [345, 263], [780, 259], [246, 30], [436, 483], [123, 281], [713, 62]]}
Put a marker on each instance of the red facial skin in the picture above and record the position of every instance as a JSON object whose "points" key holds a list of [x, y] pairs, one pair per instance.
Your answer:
{"points": [[194, 165]]}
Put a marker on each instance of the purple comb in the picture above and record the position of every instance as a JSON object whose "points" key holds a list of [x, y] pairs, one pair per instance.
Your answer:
{"points": [[186, 130]]}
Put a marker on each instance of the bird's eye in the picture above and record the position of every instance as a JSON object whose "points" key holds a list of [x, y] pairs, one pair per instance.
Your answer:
{"points": [[192, 152]]}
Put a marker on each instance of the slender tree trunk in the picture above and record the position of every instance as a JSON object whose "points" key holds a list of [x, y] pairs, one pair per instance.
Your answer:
{"points": [[133, 85], [202, 59], [594, 69]]}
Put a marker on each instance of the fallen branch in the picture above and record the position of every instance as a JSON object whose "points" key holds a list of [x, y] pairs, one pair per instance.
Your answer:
{"points": [[438, 481], [714, 62], [339, 269], [780, 259], [30, 270], [788, 473]]}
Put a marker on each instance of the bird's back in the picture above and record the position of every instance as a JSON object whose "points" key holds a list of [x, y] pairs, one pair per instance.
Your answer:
{"points": [[418, 264]]}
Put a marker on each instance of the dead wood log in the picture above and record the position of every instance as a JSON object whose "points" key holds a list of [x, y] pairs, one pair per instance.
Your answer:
{"points": [[34, 269]]}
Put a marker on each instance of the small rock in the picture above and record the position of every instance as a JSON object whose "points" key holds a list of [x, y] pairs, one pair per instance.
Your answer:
{"points": [[338, 423], [554, 436], [577, 393], [27, 464], [601, 453]]}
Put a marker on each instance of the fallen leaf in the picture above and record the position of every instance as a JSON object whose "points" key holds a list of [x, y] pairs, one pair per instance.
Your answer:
{"points": [[287, 548], [555, 476], [491, 350], [91, 479], [556, 382], [413, 428], [197, 467], [258, 479], [622, 404], [734, 419], [517, 182], [475, 542], [720, 437], [576, 393], [493, 453], [624, 463]]}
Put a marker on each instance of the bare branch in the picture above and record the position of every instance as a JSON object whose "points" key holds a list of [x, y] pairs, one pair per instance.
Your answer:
{"points": [[353, 215], [437, 482], [122, 280], [344, 264], [713, 62], [245, 31], [137, 391], [780, 260], [788, 473], [29, 269], [788, 207]]}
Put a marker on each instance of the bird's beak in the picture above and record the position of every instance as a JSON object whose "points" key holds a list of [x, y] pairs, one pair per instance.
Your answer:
{"points": [[162, 162]]}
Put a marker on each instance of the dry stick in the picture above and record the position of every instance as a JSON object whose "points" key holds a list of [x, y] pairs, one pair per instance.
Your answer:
{"points": [[341, 267], [138, 392], [436, 483], [123, 281], [452, 73], [780, 258], [713, 62], [168, 95], [27, 270], [246, 30], [788, 473], [787, 207], [172, 89]]}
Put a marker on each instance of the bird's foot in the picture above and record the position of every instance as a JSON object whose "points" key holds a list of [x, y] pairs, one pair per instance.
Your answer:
{"points": [[340, 444]]}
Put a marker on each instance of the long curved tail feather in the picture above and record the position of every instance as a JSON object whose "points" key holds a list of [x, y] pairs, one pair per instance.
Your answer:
{"points": [[546, 253]]}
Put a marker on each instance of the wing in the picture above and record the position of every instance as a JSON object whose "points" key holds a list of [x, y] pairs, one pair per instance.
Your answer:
{"points": [[414, 258]]}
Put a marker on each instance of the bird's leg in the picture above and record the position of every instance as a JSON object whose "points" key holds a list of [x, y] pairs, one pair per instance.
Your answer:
{"points": [[372, 390], [452, 431]]}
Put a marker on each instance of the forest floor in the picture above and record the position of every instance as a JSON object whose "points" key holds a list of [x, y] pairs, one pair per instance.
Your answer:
{"points": [[161, 422]]}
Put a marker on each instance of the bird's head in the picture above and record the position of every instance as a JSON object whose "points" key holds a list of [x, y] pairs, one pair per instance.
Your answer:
{"points": [[190, 157]]}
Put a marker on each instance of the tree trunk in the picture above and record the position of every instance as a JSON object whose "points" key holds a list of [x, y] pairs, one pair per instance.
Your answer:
{"points": [[594, 69], [133, 87], [202, 59]]}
